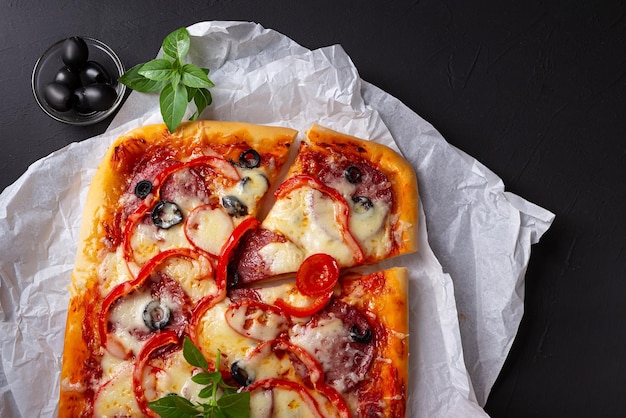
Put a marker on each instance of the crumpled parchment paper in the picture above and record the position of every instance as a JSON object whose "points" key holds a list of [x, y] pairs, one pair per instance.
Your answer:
{"points": [[475, 237]]}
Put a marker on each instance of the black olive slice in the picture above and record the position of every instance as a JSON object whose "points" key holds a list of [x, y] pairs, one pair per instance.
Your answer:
{"points": [[166, 214], [143, 189], [353, 174], [362, 204], [240, 374], [359, 336], [156, 315], [250, 159], [234, 206]]}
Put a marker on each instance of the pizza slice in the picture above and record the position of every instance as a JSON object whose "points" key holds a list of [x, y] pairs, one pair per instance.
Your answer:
{"points": [[161, 215], [351, 198], [340, 354]]}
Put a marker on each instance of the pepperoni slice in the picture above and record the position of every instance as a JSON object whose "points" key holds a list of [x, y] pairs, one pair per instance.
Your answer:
{"points": [[247, 264], [330, 336]]}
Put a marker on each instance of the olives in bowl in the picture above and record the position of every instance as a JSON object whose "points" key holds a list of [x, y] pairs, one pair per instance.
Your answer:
{"points": [[75, 81]]}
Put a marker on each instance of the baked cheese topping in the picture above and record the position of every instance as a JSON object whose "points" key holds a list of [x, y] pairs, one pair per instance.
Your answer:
{"points": [[215, 334], [208, 228], [306, 217], [116, 398], [282, 257]]}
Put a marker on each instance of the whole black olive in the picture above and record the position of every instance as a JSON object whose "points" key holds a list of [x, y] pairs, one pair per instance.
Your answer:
{"points": [[166, 214], [156, 315], [59, 96], [234, 206], [359, 336], [94, 73], [68, 78], [240, 375], [362, 204], [75, 53], [94, 97], [353, 174], [143, 189], [250, 159]]}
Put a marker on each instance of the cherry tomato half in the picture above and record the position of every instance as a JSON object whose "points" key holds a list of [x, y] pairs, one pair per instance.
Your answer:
{"points": [[317, 275]]}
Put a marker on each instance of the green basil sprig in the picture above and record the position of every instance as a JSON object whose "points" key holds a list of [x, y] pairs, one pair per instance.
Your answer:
{"points": [[231, 404], [178, 82]]}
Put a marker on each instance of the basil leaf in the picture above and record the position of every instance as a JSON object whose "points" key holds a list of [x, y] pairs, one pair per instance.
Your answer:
{"points": [[136, 81], [207, 378], [193, 355], [194, 76], [173, 406], [158, 69], [175, 78], [217, 413], [206, 392], [173, 103], [176, 44], [235, 405], [191, 92], [202, 98]]}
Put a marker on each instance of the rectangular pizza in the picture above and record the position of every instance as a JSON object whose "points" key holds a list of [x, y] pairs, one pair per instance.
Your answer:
{"points": [[229, 270]]}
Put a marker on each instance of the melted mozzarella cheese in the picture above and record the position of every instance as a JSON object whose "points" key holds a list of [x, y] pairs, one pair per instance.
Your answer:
{"points": [[260, 324], [116, 397], [369, 225], [112, 271], [214, 334], [192, 276], [264, 364], [209, 228], [282, 257], [127, 316], [148, 240], [289, 403], [250, 189], [314, 340], [261, 403], [307, 219], [175, 377]]}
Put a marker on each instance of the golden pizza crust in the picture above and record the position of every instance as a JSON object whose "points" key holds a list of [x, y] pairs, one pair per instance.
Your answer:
{"points": [[394, 166], [385, 294]]}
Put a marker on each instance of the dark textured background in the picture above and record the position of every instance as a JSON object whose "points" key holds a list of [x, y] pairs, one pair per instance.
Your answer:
{"points": [[534, 90]]}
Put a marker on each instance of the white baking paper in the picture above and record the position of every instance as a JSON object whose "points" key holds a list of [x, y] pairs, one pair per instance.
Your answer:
{"points": [[481, 235]]}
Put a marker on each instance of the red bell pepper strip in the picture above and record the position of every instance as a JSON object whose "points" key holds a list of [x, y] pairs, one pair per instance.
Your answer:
{"points": [[316, 373], [160, 340], [221, 275], [301, 311], [229, 246], [342, 212], [335, 398]]}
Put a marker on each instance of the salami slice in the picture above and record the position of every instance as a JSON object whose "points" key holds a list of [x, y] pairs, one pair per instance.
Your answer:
{"points": [[341, 337]]}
